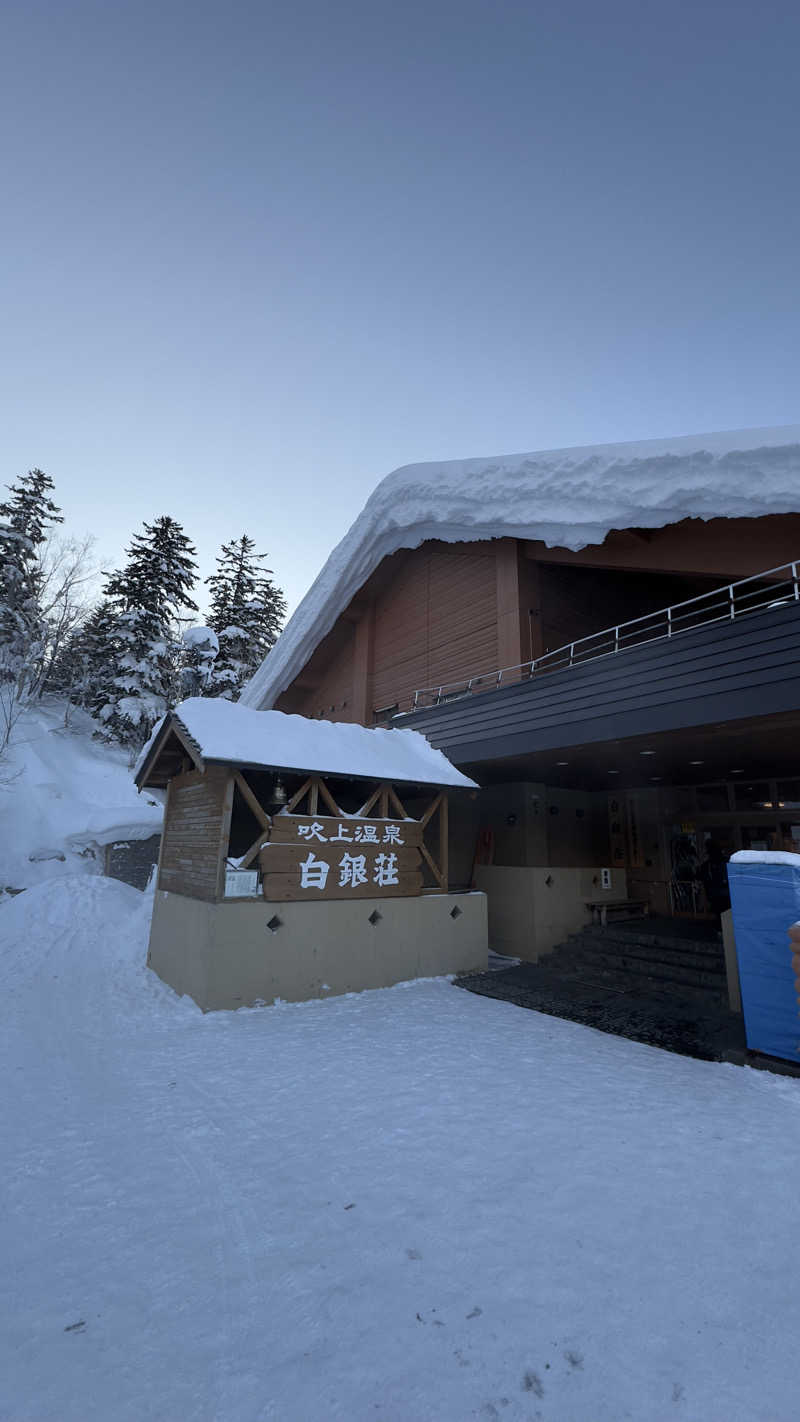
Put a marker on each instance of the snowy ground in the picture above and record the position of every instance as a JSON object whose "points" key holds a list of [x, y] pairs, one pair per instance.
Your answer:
{"points": [[62, 795], [415, 1205]]}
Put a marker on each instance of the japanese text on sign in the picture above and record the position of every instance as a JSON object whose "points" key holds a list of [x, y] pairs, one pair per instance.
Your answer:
{"points": [[330, 857], [364, 834], [352, 870]]}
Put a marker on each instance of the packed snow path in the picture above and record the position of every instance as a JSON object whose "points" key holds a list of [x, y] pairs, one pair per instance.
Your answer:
{"points": [[415, 1205]]}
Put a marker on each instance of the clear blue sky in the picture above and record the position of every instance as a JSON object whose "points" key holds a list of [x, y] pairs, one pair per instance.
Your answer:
{"points": [[256, 255]]}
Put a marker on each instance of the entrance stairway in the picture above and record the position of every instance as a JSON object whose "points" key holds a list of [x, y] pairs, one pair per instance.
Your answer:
{"points": [[659, 981], [652, 957]]}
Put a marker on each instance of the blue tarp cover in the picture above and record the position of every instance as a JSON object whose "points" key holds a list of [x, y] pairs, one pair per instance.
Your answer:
{"points": [[765, 899]]}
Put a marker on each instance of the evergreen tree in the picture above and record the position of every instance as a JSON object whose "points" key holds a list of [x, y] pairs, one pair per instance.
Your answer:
{"points": [[200, 651], [84, 668], [25, 519], [141, 632], [247, 611]]}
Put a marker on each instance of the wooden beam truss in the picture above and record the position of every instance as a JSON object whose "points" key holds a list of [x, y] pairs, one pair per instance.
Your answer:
{"points": [[385, 797]]}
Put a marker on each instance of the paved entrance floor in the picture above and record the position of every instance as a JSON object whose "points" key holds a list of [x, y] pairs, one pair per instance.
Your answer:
{"points": [[629, 1007]]}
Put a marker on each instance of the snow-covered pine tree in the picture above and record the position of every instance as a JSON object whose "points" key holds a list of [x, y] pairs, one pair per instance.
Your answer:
{"points": [[144, 600], [247, 611], [24, 522], [84, 669], [200, 651]]}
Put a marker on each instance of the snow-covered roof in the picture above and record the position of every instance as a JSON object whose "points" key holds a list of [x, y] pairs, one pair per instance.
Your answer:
{"points": [[566, 498], [226, 731], [115, 824]]}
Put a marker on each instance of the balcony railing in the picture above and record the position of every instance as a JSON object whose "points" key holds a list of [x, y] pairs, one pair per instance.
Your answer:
{"points": [[724, 604]]}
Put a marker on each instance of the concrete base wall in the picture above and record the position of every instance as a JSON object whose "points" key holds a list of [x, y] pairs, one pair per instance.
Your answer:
{"points": [[225, 956], [529, 917]]}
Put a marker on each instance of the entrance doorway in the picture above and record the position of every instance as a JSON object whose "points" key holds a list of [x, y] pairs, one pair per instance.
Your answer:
{"points": [[669, 829]]}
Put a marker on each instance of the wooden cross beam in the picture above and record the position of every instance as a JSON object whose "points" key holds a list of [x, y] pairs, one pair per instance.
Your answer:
{"points": [[439, 871]]}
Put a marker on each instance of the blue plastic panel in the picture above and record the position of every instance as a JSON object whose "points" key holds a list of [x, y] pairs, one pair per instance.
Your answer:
{"points": [[765, 899]]}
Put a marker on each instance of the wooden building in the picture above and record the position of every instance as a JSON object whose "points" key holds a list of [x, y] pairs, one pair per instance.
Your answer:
{"points": [[606, 640], [299, 859]]}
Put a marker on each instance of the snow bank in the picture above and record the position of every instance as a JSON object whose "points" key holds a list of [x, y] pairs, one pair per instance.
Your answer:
{"points": [[86, 937], [62, 797], [567, 498], [414, 1205], [228, 731]]}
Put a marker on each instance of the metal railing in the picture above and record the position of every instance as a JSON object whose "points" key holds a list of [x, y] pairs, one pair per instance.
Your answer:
{"points": [[724, 604]]}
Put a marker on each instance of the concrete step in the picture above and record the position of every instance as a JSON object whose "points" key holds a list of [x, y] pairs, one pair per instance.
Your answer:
{"points": [[709, 959], [670, 981], [632, 932], [635, 962], [616, 977]]}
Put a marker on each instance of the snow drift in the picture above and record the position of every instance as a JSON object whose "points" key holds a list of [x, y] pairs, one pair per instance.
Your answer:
{"points": [[567, 498], [63, 796]]}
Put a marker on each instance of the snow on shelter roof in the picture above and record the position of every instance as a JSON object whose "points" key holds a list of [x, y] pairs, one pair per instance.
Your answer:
{"points": [[238, 735], [565, 498]]}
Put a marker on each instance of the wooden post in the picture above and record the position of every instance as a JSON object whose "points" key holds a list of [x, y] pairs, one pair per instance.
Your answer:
{"points": [[224, 836], [439, 871], [164, 824], [444, 847]]}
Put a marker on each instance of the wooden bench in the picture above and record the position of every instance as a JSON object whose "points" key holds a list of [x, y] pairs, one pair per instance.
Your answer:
{"points": [[626, 908]]}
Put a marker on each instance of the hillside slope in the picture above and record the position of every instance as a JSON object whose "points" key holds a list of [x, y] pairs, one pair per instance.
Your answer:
{"points": [[63, 796]]}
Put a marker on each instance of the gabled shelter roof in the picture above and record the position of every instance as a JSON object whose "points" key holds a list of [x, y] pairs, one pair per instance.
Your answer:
{"points": [[209, 729], [565, 498]]}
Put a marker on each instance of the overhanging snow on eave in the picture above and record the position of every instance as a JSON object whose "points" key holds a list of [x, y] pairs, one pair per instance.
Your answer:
{"points": [[570, 498]]}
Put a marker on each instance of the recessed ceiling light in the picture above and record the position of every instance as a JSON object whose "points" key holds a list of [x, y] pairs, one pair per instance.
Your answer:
{"points": [[697, 762], [613, 772], [647, 752], [736, 772], [562, 762], [655, 777]]}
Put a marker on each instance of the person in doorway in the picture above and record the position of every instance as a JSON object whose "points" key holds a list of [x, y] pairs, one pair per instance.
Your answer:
{"points": [[714, 878]]}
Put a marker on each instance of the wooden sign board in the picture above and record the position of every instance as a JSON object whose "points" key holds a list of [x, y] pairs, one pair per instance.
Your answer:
{"points": [[327, 829], [323, 857]]}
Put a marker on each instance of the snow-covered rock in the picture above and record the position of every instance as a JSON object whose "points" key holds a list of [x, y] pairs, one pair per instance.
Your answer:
{"points": [[567, 498]]}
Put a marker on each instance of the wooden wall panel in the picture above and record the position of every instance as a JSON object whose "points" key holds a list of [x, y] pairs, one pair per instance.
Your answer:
{"points": [[332, 699], [193, 828], [436, 622], [425, 617]]}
